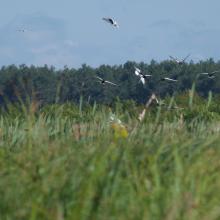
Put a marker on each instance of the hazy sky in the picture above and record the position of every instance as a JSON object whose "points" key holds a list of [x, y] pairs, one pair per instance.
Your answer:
{"points": [[71, 32]]}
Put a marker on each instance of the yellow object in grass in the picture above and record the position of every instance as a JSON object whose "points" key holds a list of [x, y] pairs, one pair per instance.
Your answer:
{"points": [[120, 130]]}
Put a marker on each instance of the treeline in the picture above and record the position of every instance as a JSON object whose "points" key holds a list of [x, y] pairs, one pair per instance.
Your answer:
{"points": [[48, 85]]}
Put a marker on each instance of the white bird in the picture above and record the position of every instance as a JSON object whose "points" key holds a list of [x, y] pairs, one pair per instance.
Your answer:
{"points": [[142, 76], [103, 82], [111, 21], [210, 75], [168, 79], [179, 61]]}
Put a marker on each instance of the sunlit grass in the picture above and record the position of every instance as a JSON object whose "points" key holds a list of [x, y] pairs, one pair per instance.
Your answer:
{"points": [[67, 162]]}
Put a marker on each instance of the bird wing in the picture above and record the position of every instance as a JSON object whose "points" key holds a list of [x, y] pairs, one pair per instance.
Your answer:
{"points": [[109, 20], [142, 80], [173, 58], [204, 73], [137, 71], [169, 79], [111, 83], [186, 57], [21, 30], [217, 71], [99, 78]]}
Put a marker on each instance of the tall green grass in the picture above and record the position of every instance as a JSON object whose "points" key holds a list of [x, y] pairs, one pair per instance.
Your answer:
{"points": [[65, 162]]}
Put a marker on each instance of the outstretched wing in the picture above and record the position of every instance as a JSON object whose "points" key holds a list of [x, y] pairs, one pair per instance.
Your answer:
{"points": [[173, 58], [111, 83], [109, 20], [99, 78], [142, 80], [217, 71], [186, 57], [137, 71], [23, 30], [171, 80]]}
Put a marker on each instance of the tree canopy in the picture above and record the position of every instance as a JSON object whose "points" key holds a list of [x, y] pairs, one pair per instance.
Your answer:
{"points": [[49, 85]]}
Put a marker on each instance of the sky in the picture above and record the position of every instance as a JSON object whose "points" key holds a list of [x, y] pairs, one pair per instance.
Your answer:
{"points": [[72, 32]]}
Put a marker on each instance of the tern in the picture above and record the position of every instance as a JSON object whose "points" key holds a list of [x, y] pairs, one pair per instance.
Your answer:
{"points": [[142, 76], [103, 81], [111, 21], [210, 75], [179, 61], [168, 79]]}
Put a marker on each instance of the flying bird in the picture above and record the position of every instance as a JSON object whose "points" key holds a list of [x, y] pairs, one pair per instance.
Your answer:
{"points": [[210, 75], [111, 21], [179, 61], [168, 79], [142, 76], [103, 81], [23, 30]]}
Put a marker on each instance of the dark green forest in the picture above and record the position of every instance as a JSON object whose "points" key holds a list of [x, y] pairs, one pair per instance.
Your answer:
{"points": [[49, 85]]}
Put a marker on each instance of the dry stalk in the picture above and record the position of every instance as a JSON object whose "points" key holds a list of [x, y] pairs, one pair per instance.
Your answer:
{"points": [[147, 105]]}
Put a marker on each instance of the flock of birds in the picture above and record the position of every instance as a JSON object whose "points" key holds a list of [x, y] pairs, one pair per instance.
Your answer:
{"points": [[143, 77]]}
